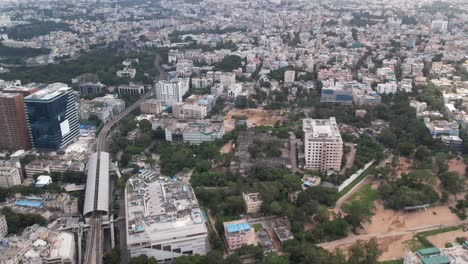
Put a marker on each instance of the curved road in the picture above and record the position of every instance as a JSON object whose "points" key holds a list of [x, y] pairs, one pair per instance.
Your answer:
{"points": [[94, 253]]}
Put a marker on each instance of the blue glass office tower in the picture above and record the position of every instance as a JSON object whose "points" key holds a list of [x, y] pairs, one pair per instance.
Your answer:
{"points": [[52, 117]]}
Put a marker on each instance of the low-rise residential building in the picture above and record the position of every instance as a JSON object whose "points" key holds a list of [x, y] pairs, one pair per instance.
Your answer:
{"points": [[164, 219], [253, 202], [195, 107], [151, 106], [39, 244], [126, 73], [193, 132], [238, 234], [234, 91], [92, 88], [131, 88], [419, 106], [10, 173], [387, 88]]}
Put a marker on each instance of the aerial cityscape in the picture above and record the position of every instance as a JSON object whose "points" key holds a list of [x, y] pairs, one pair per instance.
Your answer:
{"points": [[233, 132]]}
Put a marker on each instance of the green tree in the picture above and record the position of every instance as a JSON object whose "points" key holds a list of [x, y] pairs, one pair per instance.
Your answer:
{"points": [[358, 213], [364, 252], [144, 126]]}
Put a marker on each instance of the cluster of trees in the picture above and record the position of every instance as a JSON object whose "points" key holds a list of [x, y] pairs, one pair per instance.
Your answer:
{"points": [[17, 222], [20, 53], [229, 63], [412, 189], [34, 29], [103, 62], [295, 251], [265, 148]]}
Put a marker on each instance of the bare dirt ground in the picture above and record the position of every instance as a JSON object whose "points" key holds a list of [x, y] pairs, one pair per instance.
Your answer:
{"points": [[386, 220], [403, 167], [440, 240], [227, 148], [255, 117], [457, 165]]}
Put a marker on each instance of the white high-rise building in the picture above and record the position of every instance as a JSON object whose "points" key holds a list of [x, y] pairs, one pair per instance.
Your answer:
{"points": [[439, 26], [171, 92], [10, 174], [164, 219], [227, 79], [323, 144], [289, 76]]}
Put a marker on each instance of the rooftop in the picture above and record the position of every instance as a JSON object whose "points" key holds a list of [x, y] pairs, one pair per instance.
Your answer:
{"points": [[321, 129], [49, 93], [157, 204]]}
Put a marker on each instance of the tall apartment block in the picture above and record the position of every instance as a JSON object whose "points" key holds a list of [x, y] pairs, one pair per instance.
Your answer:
{"points": [[13, 124], [52, 117], [323, 144], [171, 92]]}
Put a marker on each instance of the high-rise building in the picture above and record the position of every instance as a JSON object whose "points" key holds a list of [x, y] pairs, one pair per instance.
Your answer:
{"points": [[439, 26], [323, 144], [13, 124], [10, 174], [171, 92], [151, 106], [52, 117], [164, 219]]}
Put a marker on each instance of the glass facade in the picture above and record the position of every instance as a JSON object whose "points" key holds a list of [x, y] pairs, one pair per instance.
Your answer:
{"points": [[52, 123]]}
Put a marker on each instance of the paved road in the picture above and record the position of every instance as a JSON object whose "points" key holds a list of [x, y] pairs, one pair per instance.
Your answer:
{"points": [[94, 247]]}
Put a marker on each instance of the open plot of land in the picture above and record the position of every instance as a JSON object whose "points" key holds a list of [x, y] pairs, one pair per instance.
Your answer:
{"points": [[227, 148], [255, 117], [440, 240], [457, 165], [386, 220]]}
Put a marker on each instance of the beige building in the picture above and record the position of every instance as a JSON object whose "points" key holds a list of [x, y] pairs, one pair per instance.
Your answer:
{"points": [[253, 202], [10, 174], [289, 76], [151, 106], [323, 144]]}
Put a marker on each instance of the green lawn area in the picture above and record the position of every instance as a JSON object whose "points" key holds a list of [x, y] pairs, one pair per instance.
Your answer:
{"points": [[258, 227], [398, 261], [366, 195], [357, 180]]}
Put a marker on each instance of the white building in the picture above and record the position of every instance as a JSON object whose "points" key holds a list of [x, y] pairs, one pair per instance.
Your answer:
{"points": [[171, 92], [323, 144], [164, 219], [419, 106], [234, 90], [10, 174], [227, 79], [289, 76], [126, 73], [387, 88], [439, 26]]}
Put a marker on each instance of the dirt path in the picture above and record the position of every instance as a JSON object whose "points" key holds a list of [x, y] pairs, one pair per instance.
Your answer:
{"points": [[440, 240], [350, 157]]}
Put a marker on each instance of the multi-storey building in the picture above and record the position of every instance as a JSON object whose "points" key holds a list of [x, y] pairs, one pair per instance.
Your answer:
{"points": [[131, 89], [13, 124], [195, 107], [171, 92], [104, 108], [10, 174], [227, 79], [126, 73], [164, 219], [92, 88], [238, 234], [289, 76], [335, 94], [253, 202], [323, 144], [151, 106], [52, 117], [3, 227]]}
